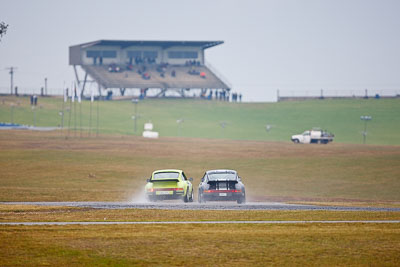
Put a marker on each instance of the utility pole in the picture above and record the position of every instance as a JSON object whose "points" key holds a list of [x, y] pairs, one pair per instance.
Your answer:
{"points": [[135, 117], [45, 86], [12, 78]]}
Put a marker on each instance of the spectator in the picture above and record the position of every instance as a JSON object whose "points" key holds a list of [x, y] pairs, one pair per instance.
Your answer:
{"points": [[109, 95], [240, 97], [146, 76], [173, 73], [203, 74]]}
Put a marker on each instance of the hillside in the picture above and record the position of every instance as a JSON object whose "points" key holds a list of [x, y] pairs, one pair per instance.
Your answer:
{"points": [[204, 119]]}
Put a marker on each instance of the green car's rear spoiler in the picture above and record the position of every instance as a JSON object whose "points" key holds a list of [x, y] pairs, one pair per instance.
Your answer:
{"points": [[165, 180]]}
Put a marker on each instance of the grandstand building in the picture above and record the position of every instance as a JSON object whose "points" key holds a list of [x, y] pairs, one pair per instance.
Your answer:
{"points": [[149, 68]]}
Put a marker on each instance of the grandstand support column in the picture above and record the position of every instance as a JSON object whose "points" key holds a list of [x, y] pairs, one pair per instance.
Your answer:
{"points": [[79, 81], [99, 87], [161, 93], [84, 83], [76, 75]]}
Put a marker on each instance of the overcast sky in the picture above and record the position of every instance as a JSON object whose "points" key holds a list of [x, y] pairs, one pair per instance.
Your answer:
{"points": [[291, 45]]}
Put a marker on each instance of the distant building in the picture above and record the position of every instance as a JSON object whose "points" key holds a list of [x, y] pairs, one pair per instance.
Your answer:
{"points": [[162, 67]]}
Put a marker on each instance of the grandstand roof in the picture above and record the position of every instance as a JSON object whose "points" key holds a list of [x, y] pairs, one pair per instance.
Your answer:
{"points": [[164, 44]]}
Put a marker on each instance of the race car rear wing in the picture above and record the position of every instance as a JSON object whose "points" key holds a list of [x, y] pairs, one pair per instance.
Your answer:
{"points": [[163, 180], [224, 184]]}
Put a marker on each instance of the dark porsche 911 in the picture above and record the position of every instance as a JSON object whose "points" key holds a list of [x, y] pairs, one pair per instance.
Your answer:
{"points": [[221, 185]]}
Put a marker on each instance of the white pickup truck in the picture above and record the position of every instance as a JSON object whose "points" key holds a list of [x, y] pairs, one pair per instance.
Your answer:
{"points": [[314, 136]]}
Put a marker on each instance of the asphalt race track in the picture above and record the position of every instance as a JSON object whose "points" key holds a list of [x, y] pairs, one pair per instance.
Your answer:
{"points": [[173, 205]]}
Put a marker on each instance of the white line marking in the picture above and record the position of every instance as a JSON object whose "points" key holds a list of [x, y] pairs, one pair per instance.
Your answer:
{"points": [[196, 222]]}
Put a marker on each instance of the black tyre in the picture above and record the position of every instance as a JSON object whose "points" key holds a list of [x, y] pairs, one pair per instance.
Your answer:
{"points": [[151, 199], [186, 197], [241, 200], [191, 196], [296, 141], [201, 198]]}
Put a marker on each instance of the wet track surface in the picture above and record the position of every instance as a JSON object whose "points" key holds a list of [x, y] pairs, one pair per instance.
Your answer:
{"points": [[167, 205]]}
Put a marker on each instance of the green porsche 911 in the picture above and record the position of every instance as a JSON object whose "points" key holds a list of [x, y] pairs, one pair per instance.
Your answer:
{"points": [[169, 184]]}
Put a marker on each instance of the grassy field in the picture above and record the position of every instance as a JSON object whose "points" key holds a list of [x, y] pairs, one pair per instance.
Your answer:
{"points": [[39, 166], [45, 166], [202, 119], [201, 245]]}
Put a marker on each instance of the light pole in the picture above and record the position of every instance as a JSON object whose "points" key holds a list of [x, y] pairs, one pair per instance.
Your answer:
{"points": [[34, 116], [134, 117], [365, 119], [179, 122], [223, 124], [12, 113]]}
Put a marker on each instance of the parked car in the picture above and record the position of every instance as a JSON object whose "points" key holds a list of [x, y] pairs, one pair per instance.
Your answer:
{"points": [[221, 185], [314, 136], [169, 184]]}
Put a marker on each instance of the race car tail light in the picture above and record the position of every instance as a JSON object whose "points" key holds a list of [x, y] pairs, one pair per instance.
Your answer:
{"points": [[223, 191]]}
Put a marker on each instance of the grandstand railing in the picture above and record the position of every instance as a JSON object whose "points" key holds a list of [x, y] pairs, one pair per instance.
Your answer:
{"points": [[337, 93], [218, 74], [22, 90]]}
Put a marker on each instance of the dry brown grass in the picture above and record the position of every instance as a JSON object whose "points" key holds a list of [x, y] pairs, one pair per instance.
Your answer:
{"points": [[202, 245], [40, 166], [44, 166]]}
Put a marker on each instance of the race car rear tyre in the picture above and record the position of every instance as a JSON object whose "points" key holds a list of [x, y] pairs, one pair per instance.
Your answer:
{"points": [[186, 197], [201, 198], [241, 200], [151, 199], [191, 197]]}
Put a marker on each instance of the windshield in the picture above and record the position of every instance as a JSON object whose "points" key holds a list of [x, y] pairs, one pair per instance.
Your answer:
{"points": [[222, 176], [166, 175]]}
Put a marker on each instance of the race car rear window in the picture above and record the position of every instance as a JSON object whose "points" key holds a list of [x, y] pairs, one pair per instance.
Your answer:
{"points": [[166, 175], [221, 176]]}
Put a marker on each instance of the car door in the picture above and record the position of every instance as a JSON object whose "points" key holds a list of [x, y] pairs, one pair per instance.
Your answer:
{"points": [[306, 137]]}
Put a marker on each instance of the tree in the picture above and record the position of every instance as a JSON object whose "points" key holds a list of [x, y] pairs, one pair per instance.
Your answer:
{"points": [[3, 29]]}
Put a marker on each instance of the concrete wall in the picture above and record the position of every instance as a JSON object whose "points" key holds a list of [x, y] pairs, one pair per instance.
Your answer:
{"points": [[75, 55]]}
